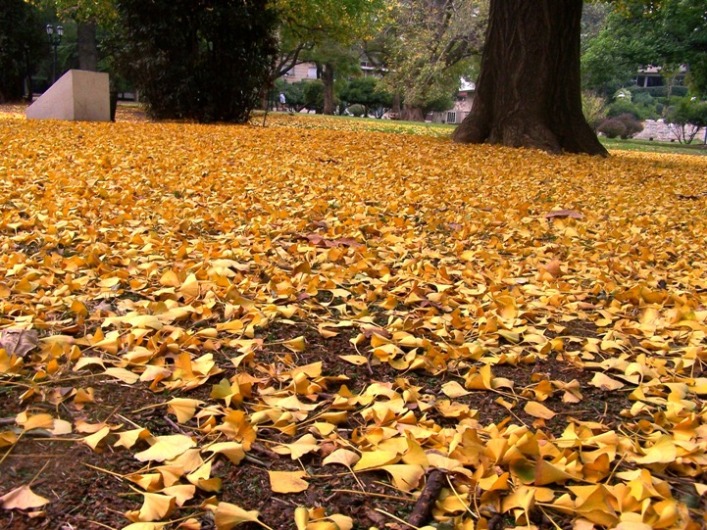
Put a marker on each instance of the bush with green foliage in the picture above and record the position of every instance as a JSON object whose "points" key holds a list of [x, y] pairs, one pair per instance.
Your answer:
{"points": [[204, 60], [294, 96], [357, 110], [314, 95], [366, 92], [612, 128], [660, 91], [624, 106]]}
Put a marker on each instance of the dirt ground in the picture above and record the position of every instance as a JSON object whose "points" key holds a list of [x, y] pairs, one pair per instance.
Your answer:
{"points": [[85, 494]]}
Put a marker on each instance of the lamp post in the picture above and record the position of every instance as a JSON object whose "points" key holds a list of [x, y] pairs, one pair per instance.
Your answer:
{"points": [[54, 41]]}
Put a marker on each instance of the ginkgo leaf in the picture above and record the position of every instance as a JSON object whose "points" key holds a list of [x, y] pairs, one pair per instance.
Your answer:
{"points": [[166, 448], [126, 376], [605, 382], [35, 421], [22, 498], [296, 345], [375, 459], [227, 516], [479, 380], [342, 522], [342, 456], [144, 526], [183, 408], [358, 360], [453, 390], [155, 506], [547, 473], [405, 476], [190, 288], [232, 450], [201, 478], [663, 451], [306, 444], [181, 493], [94, 439], [538, 410], [301, 517], [129, 438], [288, 481]]}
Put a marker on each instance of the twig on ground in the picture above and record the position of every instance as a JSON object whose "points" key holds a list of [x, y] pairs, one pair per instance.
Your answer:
{"points": [[423, 507]]}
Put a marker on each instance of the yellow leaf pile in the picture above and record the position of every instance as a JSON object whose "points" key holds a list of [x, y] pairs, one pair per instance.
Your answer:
{"points": [[161, 255]]}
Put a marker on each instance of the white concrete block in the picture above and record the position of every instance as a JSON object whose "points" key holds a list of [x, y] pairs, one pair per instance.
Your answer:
{"points": [[78, 95]]}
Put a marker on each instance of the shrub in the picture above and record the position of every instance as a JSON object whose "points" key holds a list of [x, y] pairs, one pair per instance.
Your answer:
{"points": [[206, 61], [623, 106], [632, 125], [357, 110], [612, 127], [294, 95], [660, 91], [314, 96]]}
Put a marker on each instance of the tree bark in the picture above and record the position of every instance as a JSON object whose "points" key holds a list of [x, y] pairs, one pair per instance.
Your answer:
{"points": [[410, 113], [529, 91], [328, 80], [87, 46]]}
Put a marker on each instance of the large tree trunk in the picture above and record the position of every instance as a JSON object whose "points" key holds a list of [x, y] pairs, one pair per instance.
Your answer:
{"points": [[328, 80], [87, 46], [529, 92]]}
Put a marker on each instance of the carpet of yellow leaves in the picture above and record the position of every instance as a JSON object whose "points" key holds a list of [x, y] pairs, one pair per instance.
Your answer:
{"points": [[155, 254]]}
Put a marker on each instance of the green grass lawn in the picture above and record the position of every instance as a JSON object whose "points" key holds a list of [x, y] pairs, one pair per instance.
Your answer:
{"points": [[696, 148]]}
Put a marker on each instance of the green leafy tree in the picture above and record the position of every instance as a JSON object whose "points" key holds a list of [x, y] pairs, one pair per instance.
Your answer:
{"points": [[367, 92], [22, 43], [427, 47], [205, 60], [91, 16], [686, 118], [323, 31], [665, 33]]}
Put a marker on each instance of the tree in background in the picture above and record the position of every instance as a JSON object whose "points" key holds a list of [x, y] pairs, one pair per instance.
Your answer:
{"points": [[668, 34], [206, 60], [325, 32], [686, 118], [22, 43], [529, 93], [427, 46], [88, 15], [367, 92]]}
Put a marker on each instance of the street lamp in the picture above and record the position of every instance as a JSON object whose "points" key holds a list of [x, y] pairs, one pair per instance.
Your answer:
{"points": [[54, 41]]}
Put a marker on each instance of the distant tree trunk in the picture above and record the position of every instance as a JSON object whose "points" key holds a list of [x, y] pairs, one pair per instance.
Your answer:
{"points": [[528, 92], [328, 80], [396, 104], [409, 113], [87, 46]]}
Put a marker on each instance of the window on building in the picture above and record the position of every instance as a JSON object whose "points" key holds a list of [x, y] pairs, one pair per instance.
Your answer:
{"points": [[312, 72], [451, 117]]}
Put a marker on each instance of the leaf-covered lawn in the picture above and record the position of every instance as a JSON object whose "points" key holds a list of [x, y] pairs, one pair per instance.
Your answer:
{"points": [[309, 327]]}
